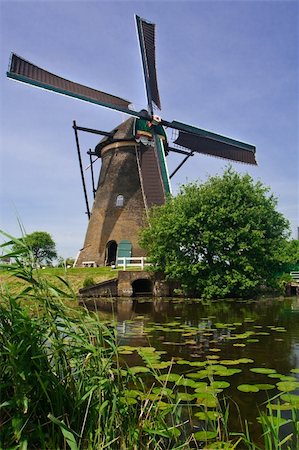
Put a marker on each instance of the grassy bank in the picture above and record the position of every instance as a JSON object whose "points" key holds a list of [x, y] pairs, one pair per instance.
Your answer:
{"points": [[75, 277]]}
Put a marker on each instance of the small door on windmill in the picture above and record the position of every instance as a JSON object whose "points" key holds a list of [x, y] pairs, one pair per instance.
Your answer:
{"points": [[124, 249]]}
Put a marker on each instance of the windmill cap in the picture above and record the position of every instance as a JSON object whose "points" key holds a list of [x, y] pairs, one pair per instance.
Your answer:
{"points": [[123, 132]]}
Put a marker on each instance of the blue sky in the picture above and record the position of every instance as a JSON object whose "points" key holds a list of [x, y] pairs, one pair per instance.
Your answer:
{"points": [[228, 67]]}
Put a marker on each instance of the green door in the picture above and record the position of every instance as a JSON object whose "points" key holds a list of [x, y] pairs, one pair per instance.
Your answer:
{"points": [[124, 249]]}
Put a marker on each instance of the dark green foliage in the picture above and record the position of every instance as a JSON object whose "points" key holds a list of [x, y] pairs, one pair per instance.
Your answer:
{"points": [[290, 255], [40, 243], [219, 239]]}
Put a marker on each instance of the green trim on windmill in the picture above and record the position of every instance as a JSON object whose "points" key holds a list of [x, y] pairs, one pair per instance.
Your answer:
{"points": [[161, 155], [143, 127]]}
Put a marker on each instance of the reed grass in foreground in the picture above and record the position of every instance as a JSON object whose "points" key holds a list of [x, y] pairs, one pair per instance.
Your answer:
{"points": [[61, 386]]}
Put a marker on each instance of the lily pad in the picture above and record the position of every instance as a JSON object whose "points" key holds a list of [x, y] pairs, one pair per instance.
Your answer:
{"points": [[229, 362], [275, 375], [207, 401], [171, 377], [265, 386], [197, 375], [220, 384], [223, 325], [207, 415], [128, 400], [288, 378], [139, 369], [184, 396], [198, 363], [263, 370], [187, 382], [279, 406], [161, 365], [287, 386], [245, 360], [132, 393], [201, 386], [207, 389], [146, 349], [295, 370], [164, 406], [211, 362], [291, 398], [244, 335], [162, 391], [184, 362], [212, 368], [248, 388], [205, 435], [228, 372]]}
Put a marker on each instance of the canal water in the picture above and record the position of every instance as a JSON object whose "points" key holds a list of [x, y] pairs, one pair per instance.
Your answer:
{"points": [[249, 348]]}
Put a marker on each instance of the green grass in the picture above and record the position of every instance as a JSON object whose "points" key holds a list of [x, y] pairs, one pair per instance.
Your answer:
{"points": [[74, 276]]}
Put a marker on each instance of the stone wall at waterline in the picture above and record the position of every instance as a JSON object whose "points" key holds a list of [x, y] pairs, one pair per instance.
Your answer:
{"points": [[130, 284]]}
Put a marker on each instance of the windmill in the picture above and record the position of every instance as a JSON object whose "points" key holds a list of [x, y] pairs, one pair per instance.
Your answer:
{"points": [[134, 174]]}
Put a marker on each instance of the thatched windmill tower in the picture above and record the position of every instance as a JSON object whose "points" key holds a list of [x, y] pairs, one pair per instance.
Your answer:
{"points": [[129, 183]]}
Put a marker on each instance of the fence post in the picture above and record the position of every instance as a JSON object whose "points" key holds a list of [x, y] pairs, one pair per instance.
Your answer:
{"points": [[142, 262], [125, 259]]}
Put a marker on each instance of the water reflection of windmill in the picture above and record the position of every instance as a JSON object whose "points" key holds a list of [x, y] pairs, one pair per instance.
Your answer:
{"points": [[134, 173]]}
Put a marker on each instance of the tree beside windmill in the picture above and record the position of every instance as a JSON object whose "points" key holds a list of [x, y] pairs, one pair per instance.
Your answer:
{"points": [[134, 174]]}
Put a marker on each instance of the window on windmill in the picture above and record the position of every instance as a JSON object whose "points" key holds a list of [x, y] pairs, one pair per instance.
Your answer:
{"points": [[120, 200]]}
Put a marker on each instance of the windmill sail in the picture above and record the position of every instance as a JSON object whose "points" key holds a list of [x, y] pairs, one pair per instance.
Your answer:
{"points": [[206, 142], [24, 71], [146, 35], [155, 137], [150, 177]]}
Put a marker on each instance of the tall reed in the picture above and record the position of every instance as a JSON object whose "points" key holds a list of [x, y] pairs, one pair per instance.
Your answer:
{"points": [[60, 383]]}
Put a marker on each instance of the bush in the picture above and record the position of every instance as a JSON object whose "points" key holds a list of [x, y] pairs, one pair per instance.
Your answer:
{"points": [[223, 238]]}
